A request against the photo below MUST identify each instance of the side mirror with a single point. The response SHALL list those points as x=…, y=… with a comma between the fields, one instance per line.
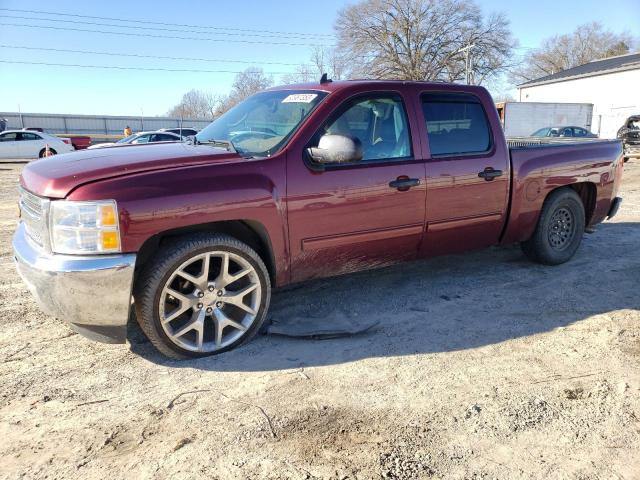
x=335, y=149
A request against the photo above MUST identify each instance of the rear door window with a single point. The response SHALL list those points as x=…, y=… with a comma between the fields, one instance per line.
x=456, y=124
x=29, y=136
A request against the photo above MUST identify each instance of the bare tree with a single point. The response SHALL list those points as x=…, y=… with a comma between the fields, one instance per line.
x=586, y=43
x=422, y=40
x=195, y=104
x=304, y=73
x=330, y=61
x=245, y=84
x=323, y=60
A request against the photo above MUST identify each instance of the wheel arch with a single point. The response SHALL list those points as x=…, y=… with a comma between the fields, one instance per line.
x=523, y=221
x=588, y=192
x=251, y=232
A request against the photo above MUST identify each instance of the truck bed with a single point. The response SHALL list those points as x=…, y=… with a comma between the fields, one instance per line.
x=592, y=166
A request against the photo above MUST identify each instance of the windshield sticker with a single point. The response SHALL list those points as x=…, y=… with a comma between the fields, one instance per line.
x=300, y=98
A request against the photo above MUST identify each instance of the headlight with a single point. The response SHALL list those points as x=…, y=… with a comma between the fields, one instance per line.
x=84, y=227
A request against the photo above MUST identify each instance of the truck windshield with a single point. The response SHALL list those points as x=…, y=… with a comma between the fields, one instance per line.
x=261, y=125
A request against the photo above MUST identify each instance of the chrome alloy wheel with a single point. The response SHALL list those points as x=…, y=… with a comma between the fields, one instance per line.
x=210, y=301
x=561, y=229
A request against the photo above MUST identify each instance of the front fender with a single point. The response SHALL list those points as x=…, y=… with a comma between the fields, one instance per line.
x=154, y=202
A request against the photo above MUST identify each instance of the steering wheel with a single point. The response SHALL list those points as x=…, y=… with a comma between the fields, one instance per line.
x=255, y=133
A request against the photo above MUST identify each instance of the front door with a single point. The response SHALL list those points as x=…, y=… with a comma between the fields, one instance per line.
x=9, y=145
x=467, y=173
x=366, y=214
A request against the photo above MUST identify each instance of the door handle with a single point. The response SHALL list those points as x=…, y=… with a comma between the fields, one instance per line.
x=404, y=183
x=489, y=174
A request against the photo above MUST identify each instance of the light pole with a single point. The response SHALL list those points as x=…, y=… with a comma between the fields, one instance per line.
x=468, y=63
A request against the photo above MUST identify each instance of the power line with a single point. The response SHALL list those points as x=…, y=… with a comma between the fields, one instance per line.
x=206, y=27
x=175, y=37
x=141, y=69
x=159, y=57
x=84, y=22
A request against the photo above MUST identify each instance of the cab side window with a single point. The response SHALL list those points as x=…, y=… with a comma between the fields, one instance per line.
x=8, y=137
x=379, y=122
x=29, y=136
x=456, y=124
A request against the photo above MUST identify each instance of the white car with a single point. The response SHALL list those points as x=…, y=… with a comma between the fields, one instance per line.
x=142, y=137
x=28, y=144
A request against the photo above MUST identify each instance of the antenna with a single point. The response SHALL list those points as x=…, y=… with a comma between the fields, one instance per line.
x=325, y=79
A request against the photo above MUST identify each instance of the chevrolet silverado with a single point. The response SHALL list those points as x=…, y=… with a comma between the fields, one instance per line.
x=294, y=183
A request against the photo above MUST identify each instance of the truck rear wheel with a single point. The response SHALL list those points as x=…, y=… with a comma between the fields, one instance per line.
x=559, y=231
x=202, y=295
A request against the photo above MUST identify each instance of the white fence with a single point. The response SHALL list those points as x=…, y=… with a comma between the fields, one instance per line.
x=94, y=124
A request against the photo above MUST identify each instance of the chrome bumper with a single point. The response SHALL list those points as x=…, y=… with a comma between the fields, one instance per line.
x=92, y=293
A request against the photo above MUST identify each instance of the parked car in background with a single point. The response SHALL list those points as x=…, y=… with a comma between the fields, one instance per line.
x=564, y=132
x=141, y=138
x=184, y=132
x=80, y=142
x=291, y=184
x=30, y=144
x=629, y=133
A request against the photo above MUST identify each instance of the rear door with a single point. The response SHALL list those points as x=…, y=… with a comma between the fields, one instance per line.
x=356, y=216
x=30, y=144
x=467, y=171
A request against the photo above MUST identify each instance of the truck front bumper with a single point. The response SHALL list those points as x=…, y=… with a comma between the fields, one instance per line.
x=92, y=293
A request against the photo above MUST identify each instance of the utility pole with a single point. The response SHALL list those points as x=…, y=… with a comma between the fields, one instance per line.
x=468, y=63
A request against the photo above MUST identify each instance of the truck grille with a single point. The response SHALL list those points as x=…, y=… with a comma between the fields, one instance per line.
x=33, y=213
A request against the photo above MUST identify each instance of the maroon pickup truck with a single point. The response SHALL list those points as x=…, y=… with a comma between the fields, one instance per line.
x=294, y=183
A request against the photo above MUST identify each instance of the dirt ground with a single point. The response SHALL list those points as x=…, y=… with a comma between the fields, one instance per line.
x=482, y=366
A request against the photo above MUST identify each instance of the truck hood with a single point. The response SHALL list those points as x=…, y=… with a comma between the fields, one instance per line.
x=56, y=176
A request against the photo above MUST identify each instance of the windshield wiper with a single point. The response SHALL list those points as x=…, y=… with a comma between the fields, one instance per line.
x=228, y=144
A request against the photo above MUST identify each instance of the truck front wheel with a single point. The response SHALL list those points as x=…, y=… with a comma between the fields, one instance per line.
x=202, y=295
x=559, y=230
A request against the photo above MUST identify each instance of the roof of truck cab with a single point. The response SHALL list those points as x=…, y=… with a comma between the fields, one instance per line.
x=333, y=86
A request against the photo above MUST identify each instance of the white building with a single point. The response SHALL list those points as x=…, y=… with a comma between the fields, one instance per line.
x=612, y=85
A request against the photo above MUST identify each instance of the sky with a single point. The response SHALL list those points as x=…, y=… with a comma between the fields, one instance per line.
x=224, y=33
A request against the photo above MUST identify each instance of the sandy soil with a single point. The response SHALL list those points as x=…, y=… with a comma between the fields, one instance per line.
x=482, y=366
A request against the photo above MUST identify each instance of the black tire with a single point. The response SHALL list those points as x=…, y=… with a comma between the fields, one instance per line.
x=43, y=151
x=156, y=272
x=559, y=231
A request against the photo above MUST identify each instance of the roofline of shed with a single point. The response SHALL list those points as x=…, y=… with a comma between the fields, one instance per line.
x=534, y=83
